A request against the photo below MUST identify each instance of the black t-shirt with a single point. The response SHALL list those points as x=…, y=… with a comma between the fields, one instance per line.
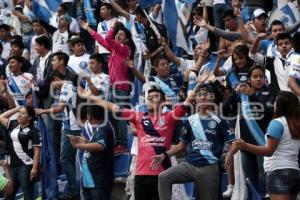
x=21, y=142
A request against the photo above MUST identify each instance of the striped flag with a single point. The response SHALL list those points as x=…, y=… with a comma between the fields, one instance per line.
x=44, y=9
x=174, y=23
x=48, y=176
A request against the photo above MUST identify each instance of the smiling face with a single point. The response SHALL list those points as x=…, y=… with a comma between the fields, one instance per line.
x=240, y=60
x=163, y=68
x=14, y=66
x=121, y=37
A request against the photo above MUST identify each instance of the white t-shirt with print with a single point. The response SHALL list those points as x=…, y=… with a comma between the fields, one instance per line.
x=60, y=42
x=80, y=64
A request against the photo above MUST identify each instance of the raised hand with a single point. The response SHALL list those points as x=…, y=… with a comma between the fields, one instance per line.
x=200, y=22
x=84, y=25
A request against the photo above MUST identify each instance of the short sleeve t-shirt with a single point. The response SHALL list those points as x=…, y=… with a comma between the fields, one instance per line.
x=206, y=145
x=294, y=62
x=80, y=64
x=21, y=143
x=154, y=136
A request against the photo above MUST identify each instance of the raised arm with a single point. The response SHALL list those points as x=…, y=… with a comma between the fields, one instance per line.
x=105, y=104
x=170, y=55
x=120, y=10
x=84, y=25
x=4, y=117
x=135, y=71
x=253, y=54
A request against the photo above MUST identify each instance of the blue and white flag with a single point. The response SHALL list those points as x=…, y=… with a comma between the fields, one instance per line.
x=148, y=3
x=174, y=24
x=44, y=9
x=89, y=12
x=48, y=176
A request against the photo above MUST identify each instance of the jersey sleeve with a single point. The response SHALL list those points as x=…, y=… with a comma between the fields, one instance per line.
x=225, y=130
x=275, y=129
x=36, y=138
x=66, y=92
x=100, y=138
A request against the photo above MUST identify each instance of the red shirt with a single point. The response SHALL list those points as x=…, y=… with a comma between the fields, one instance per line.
x=118, y=72
x=164, y=126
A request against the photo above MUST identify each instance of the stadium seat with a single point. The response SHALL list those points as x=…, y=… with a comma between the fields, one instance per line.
x=121, y=165
x=189, y=189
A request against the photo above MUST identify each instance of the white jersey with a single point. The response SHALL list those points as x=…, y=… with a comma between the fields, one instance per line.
x=60, y=42
x=19, y=86
x=68, y=95
x=136, y=36
x=80, y=64
x=294, y=64
x=102, y=83
x=102, y=28
x=6, y=50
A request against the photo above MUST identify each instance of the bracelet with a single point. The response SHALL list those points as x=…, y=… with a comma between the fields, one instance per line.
x=166, y=155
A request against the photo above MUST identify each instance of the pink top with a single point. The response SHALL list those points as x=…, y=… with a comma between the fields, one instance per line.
x=153, y=137
x=119, y=52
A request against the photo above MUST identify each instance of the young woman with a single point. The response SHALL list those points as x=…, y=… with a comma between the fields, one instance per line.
x=241, y=64
x=119, y=42
x=24, y=149
x=260, y=99
x=281, y=149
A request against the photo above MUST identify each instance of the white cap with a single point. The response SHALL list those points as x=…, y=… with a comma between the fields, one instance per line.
x=258, y=12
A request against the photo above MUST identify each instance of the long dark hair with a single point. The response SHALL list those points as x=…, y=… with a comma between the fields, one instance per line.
x=120, y=27
x=287, y=105
x=241, y=50
x=31, y=113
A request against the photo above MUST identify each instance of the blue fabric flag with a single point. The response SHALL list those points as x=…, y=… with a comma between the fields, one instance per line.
x=44, y=9
x=48, y=176
x=174, y=26
x=148, y=3
x=89, y=12
x=255, y=130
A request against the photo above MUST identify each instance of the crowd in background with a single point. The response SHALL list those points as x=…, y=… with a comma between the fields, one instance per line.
x=93, y=85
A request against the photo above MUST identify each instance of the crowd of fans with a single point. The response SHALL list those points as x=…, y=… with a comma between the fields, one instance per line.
x=94, y=85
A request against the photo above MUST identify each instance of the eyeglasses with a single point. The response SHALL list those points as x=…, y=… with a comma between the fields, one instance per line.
x=205, y=94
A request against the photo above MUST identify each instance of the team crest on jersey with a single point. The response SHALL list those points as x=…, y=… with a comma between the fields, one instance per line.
x=23, y=82
x=173, y=83
x=243, y=78
x=161, y=122
x=146, y=122
x=26, y=130
x=212, y=124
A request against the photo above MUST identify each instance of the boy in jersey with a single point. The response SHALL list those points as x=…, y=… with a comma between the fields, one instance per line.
x=97, y=146
x=18, y=83
x=154, y=132
x=206, y=134
x=70, y=126
x=99, y=82
x=294, y=63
